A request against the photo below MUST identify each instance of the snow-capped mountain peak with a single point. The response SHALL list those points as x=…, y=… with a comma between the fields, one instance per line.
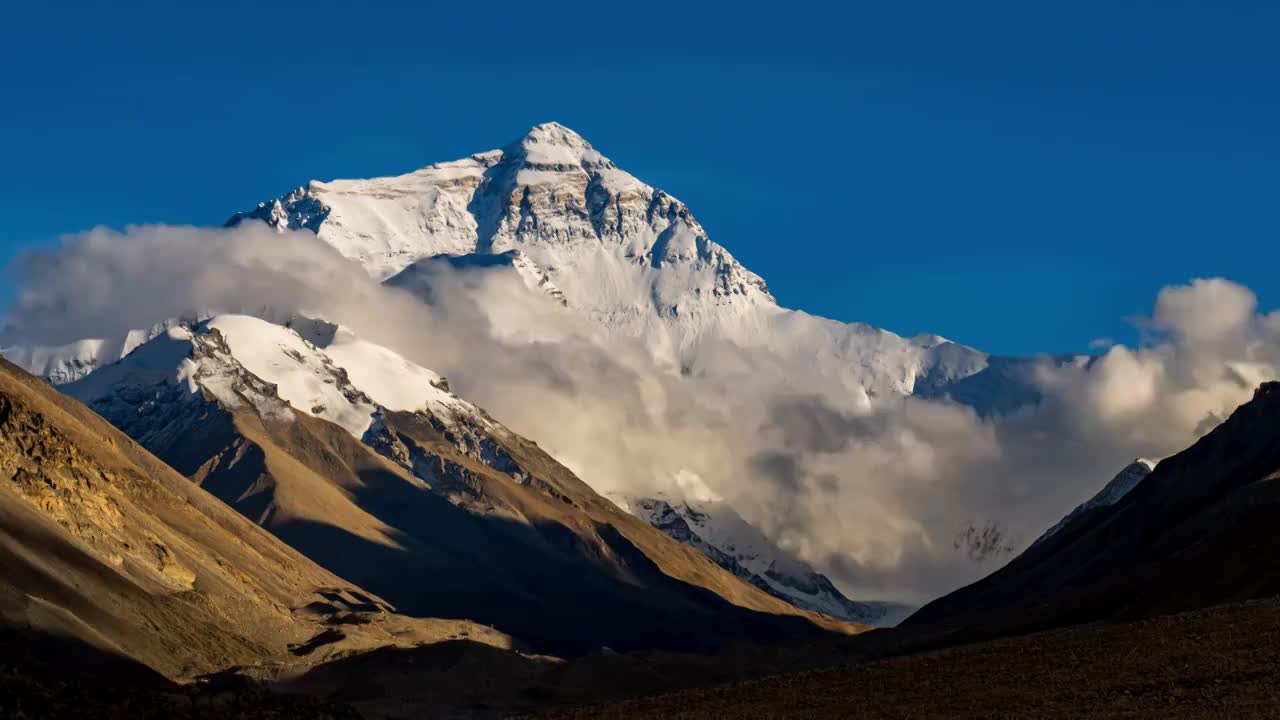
x=615, y=251
x=550, y=187
x=619, y=252
x=552, y=145
x=63, y=363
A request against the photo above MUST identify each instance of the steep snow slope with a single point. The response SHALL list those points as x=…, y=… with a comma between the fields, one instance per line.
x=718, y=531
x=618, y=251
x=344, y=383
x=369, y=466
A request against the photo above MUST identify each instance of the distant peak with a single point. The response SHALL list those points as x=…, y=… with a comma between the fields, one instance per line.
x=554, y=133
x=554, y=147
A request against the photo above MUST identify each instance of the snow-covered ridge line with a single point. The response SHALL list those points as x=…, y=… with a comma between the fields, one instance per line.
x=242, y=360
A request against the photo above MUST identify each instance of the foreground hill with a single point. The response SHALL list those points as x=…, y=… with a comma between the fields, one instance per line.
x=50, y=677
x=1198, y=530
x=119, y=576
x=105, y=546
x=1215, y=663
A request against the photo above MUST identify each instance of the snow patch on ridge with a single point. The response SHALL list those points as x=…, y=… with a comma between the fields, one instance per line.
x=68, y=363
x=395, y=383
x=304, y=377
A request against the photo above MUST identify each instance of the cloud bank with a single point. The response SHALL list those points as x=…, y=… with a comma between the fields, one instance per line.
x=901, y=498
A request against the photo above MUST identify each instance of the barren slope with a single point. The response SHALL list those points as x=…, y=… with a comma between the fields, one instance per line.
x=1217, y=663
x=101, y=542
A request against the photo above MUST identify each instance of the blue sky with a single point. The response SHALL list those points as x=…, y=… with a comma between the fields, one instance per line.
x=1017, y=178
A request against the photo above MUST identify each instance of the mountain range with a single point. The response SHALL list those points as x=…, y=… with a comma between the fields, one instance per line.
x=578, y=231
x=367, y=464
x=226, y=497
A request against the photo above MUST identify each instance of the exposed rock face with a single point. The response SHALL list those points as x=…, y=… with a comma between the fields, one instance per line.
x=1199, y=529
x=50, y=472
x=102, y=543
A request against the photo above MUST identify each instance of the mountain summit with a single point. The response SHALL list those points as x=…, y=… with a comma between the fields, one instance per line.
x=619, y=252
x=551, y=143
x=551, y=195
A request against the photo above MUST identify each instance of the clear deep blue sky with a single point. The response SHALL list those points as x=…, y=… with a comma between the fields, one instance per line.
x=1017, y=176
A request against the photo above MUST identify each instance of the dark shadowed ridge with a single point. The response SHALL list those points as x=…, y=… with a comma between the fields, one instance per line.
x=1199, y=530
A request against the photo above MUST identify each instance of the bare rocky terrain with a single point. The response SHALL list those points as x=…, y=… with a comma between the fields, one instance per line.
x=44, y=676
x=103, y=545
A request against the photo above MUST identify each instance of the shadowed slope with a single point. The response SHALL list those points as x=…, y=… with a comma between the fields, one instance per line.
x=1215, y=664
x=445, y=535
x=101, y=542
x=1199, y=530
x=46, y=676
